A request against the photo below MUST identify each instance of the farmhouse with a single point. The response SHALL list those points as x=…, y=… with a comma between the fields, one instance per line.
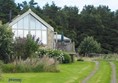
x=31, y=23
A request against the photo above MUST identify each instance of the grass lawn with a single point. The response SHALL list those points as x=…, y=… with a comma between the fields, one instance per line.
x=70, y=73
x=103, y=75
x=116, y=63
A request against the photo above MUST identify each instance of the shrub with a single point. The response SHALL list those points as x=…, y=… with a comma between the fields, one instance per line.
x=31, y=45
x=61, y=56
x=27, y=46
x=41, y=52
x=6, y=39
x=8, y=68
x=67, y=58
x=89, y=45
x=19, y=47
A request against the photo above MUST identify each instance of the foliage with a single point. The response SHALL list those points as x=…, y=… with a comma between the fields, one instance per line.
x=19, y=44
x=6, y=40
x=8, y=68
x=27, y=46
x=44, y=64
x=31, y=45
x=99, y=22
x=5, y=7
x=61, y=56
x=67, y=58
x=89, y=45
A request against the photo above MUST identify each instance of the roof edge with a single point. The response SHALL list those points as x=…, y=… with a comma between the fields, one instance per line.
x=33, y=14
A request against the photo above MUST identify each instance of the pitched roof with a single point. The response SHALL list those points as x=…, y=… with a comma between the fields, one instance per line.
x=19, y=17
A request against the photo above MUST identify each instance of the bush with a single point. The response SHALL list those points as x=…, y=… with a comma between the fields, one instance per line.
x=27, y=46
x=6, y=40
x=67, y=58
x=8, y=68
x=89, y=45
x=41, y=52
x=61, y=56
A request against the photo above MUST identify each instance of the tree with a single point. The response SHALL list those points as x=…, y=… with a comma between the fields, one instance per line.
x=6, y=43
x=5, y=7
x=24, y=6
x=89, y=45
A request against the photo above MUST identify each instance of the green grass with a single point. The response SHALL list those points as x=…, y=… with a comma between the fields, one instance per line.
x=116, y=63
x=70, y=73
x=103, y=75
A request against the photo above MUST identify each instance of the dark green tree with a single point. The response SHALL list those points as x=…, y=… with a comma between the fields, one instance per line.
x=7, y=6
x=89, y=45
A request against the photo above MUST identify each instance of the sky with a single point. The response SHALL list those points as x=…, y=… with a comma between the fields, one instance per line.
x=113, y=4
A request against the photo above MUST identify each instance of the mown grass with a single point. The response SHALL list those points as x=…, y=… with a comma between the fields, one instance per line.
x=69, y=73
x=116, y=64
x=103, y=75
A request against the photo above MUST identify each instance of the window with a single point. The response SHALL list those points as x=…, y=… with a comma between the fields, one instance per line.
x=26, y=22
x=15, y=32
x=33, y=32
x=38, y=34
x=44, y=27
x=20, y=33
x=44, y=37
x=32, y=22
x=25, y=33
x=20, y=24
x=14, y=26
x=29, y=24
x=38, y=25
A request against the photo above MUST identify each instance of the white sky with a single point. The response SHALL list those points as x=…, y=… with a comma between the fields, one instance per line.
x=113, y=4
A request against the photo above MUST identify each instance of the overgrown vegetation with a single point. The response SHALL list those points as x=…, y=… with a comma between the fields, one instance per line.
x=36, y=65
